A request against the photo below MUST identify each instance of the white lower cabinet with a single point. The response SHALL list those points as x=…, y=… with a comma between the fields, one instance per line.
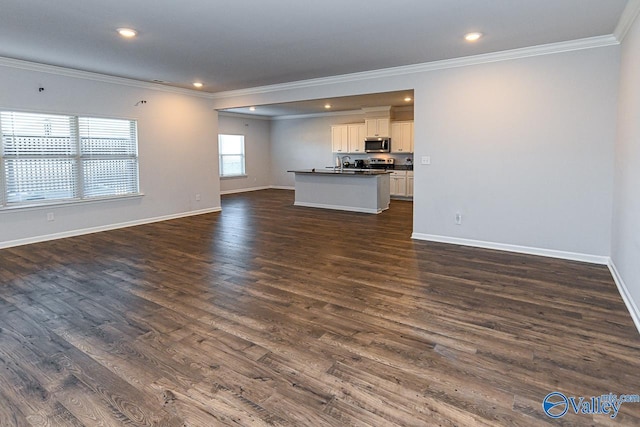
x=401, y=183
x=398, y=183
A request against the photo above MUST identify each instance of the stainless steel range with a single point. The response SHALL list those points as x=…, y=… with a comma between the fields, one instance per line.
x=379, y=163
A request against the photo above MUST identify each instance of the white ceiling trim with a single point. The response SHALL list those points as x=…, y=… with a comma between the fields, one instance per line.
x=323, y=114
x=547, y=49
x=628, y=17
x=87, y=75
x=243, y=115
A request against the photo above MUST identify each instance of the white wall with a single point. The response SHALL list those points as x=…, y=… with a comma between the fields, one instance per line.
x=303, y=143
x=625, y=248
x=257, y=142
x=177, y=136
x=523, y=148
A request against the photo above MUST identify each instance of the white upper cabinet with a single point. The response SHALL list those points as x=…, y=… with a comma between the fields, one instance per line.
x=402, y=137
x=340, y=139
x=377, y=127
x=356, y=137
x=348, y=138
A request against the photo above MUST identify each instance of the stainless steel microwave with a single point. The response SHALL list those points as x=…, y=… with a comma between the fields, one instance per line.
x=377, y=145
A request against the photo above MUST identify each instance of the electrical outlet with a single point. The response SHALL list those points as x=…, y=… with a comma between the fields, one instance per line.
x=51, y=216
x=198, y=197
x=425, y=160
x=458, y=218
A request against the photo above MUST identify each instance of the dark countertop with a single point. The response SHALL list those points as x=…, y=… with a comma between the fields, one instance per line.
x=396, y=167
x=344, y=172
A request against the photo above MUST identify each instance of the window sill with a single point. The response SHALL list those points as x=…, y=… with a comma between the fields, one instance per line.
x=234, y=176
x=54, y=204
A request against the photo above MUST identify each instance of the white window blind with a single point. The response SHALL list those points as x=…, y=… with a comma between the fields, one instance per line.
x=109, y=156
x=46, y=157
x=231, y=152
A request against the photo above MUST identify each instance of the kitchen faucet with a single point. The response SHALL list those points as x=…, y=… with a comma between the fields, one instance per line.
x=342, y=162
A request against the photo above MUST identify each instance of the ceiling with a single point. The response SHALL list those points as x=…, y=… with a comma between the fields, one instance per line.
x=398, y=99
x=231, y=45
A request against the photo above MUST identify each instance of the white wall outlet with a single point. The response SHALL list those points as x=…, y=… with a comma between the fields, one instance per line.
x=51, y=216
x=458, y=218
x=198, y=197
x=425, y=160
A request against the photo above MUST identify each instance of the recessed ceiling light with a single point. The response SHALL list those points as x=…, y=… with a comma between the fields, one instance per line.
x=252, y=108
x=327, y=106
x=198, y=84
x=471, y=37
x=127, y=32
x=407, y=99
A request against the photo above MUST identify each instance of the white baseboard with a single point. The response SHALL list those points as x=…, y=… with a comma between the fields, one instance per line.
x=593, y=259
x=573, y=256
x=338, y=207
x=79, y=232
x=266, y=187
x=282, y=187
x=625, y=294
x=244, y=190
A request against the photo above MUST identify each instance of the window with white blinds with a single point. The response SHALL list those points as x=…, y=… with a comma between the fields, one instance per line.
x=231, y=152
x=47, y=158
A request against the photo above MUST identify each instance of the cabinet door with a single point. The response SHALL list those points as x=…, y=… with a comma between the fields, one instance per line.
x=377, y=127
x=356, y=138
x=371, y=127
x=339, y=139
x=383, y=127
x=401, y=137
x=410, y=183
x=398, y=184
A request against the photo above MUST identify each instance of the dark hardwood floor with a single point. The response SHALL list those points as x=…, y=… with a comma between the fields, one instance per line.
x=270, y=314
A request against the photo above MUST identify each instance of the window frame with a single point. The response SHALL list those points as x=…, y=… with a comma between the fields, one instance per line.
x=221, y=156
x=78, y=158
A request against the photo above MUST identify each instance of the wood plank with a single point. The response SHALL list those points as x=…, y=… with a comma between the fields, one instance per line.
x=270, y=314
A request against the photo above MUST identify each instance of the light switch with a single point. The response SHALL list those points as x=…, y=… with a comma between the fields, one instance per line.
x=426, y=160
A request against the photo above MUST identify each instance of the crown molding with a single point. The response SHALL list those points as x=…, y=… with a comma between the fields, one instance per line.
x=323, y=114
x=628, y=17
x=103, y=78
x=243, y=115
x=525, y=52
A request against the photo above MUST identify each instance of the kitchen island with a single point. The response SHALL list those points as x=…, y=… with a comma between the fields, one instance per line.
x=364, y=191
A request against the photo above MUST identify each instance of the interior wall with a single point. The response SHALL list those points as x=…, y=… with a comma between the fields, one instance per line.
x=257, y=140
x=177, y=136
x=625, y=248
x=523, y=148
x=303, y=143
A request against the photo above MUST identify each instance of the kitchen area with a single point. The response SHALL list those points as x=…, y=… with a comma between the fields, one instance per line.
x=350, y=153
x=373, y=162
